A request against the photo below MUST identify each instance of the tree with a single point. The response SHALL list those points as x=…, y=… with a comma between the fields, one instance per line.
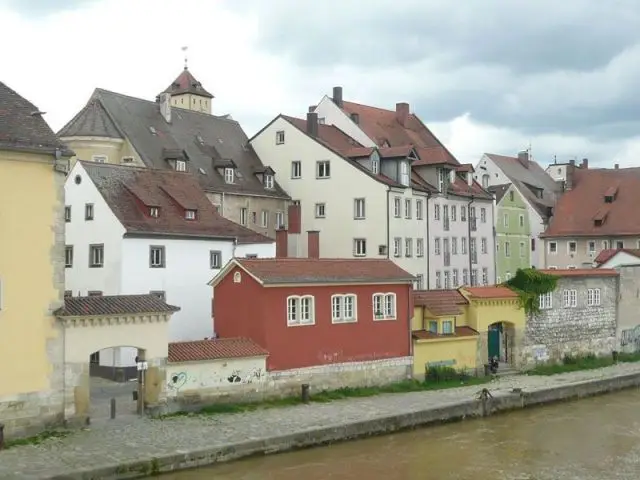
x=529, y=284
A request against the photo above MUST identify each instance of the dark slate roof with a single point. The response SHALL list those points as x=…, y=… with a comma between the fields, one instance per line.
x=130, y=192
x=499, y=190
x=113, y=305
x=92, y=121
x=22, y=126
x=187, y=83
x=202, y=138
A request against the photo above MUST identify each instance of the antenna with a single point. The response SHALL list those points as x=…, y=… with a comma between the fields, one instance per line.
x=186, y=57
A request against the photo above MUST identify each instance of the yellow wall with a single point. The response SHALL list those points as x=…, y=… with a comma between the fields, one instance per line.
x=482, y=313
x=31, y=209
x=462, y=350
x=422, y=317
x=114, y=148
x=189, y=101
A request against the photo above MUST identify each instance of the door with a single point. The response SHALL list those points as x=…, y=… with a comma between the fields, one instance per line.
x=493, y=340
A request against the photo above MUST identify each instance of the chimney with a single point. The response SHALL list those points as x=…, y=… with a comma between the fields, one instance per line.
x=165, y=106
x=523, y=158
x=282, y=243
x=585, y=163
x=355, y=117
x=337, y=96
x=616, y=166
x=568, y=183
x=295, y=219
x=312, y=108
x=313, y=244
x=312, y=124
x=402, y=113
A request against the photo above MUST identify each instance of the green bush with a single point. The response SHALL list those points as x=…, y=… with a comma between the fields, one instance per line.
x=443, y=374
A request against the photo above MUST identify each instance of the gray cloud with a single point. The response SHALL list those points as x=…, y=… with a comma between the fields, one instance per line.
x=539, y=66
x=41, y=8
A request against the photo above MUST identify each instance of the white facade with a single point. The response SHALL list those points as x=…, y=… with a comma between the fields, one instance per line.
x=127, y=270
x=329, y=113
x=495, y=176
x=621, y=259
x=329, y=204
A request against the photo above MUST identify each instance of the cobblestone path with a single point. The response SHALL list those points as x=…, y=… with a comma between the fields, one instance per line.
x=124, y=440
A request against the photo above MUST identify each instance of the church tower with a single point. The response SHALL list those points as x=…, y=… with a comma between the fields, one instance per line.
x=188, y=93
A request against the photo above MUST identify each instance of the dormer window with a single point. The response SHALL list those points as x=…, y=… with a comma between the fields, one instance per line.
x=154, y=212
x=404, y=173
x=442, y=179
x=190, y=214
x=181, y=166
x=229, y=175
x=375, y=166
x=268, y=181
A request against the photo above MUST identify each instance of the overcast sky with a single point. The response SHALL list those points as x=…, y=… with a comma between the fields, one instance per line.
x=485, y=75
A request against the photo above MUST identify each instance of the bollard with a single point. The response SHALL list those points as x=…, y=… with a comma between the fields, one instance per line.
x=614, y=354
x=1, y=436
x=113, y=409
x=487, y=370
x=305, y=393
x=135, y=395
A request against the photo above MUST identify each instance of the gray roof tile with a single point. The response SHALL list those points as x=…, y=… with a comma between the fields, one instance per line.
x=113, y=305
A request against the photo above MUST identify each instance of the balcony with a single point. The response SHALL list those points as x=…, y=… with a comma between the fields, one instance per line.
x=447, y=259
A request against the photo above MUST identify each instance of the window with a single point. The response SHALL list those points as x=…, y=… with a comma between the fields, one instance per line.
x=454, y=246
x=419, y=247
x=474, y=277
x=268, y=181
x=605, y=244
x=67, y=294
x=533, y=244
x=619, y=245
x=454, y=213
x=408, y=247
x=553, y=247
x=88, y=211
x=465, y=277
x=181, y=166
x=279, y=219
x=96, y=256
x=404, y=173
x=570, y=298
x=190, y=214
x=154, y=212
x=264, y=218
x=384, y=306
x=374, y=166
x=358, y=209
x=300, y=310
x=229, y=175
x=505, y=220
x=485, y=181
x=485, y=276
x=320, y=210
x=126, y=160
x=463, y=245
x=397, y=247
x=447, y=327
x=68, y=256
x=215, y=259
x=511, y=196
x=438, y=279
x=454, y=278
x=343, y=308
x=436, y=246
x=296, y=169
x=572, y=247
x=483, y=215
x=419, y=212
x=323, y=169
x=243, y=216
x=436, y=212
x=483, y=245
x=359, y=247
x=100, y=158
x=254, y=218
x=522, y=247
x=447, y=280
x=442, y=179
x=521, y=220
x=546, y=301
x=463, y=214
x=279, y=137
x=94, y=293
x=507, y=249
x=407, y=208
x=156, y=257
x=591, y=247
x=161, y=294
x=593, y=297
x=433, y=326
x=419, y=282
x=396, y=207
x=67, y=214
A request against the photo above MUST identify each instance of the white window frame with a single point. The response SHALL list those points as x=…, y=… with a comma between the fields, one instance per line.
x=575, y=246
x=507, y=249
x=404, y=173
x=386, y=302
x=463, y=245
x=280, y=137
x=419, y=281
x=264, y=218
x=436, y=211
x=279, y=219
x=521, y=220
x=593, y=297
x=157, y=255
x=397, y=247
x=505, y=220
x=68, y=256
x=447, y=280
x=465, y=276
x=408, y=247
x=483, y=215
x=181, y=166
x=295, y=307
x=407, y=208
x=455, y=278
x=359, y=210
x=243, y=216
x=485, y=276
x=190, y=214
x=554, y=250
x=454, y=213
x=483, y=245
x=215, y=259
x=296, y=169
x=269, y=181
x=451, y=327
x=397, y=207
x=321, y=210
x=419, y=247
x=375, y=166
x=590, y=250
x=96, y=260
x=359, y=247
x=323, y=169
x=419, y=210
x=545, y=301
x=570, y=298
x=438, y=280
x=100, y=158
x=229, y=175
x=339, y=308
x=436, y=246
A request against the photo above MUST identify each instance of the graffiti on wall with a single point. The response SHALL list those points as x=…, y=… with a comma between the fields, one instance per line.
x=216, y=377
x=238, y=377
x=540, y=353
x=631, y=338
x=177, y=381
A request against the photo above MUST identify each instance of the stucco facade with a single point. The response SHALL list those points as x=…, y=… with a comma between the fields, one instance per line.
x=512, y=235
x=578, y=252
x=628, y=322
x=31, y=288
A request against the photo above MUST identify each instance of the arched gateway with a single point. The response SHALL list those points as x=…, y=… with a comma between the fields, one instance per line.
x=91, y=324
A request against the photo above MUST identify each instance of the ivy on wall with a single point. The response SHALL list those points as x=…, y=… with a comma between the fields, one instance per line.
x=529, y=284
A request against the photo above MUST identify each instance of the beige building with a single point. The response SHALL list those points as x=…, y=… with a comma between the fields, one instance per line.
x=178, y=131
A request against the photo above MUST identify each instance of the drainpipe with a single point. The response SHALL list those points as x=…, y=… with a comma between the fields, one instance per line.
x=427, y=251
x=388, y=224
x=493, y=233
x=410, y=312
x=469, y=238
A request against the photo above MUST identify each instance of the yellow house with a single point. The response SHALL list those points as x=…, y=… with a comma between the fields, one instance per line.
x=33, y=163
x=463, y=328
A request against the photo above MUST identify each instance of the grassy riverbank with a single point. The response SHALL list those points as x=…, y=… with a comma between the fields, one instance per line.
x=36, y=439
x=586, y=362
x=437, y=379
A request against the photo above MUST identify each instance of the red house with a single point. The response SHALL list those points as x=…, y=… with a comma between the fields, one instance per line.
x=310, y=311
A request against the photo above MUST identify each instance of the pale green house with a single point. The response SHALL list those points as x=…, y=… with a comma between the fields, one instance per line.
x=512, y=232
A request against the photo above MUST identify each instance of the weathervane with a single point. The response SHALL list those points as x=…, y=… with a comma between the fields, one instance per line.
x=186, y=58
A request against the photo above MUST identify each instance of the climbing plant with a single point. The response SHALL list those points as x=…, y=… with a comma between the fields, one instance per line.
x=529, y=284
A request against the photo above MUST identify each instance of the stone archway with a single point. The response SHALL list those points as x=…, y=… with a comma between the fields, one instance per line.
x=502, y=342
x=95, y=323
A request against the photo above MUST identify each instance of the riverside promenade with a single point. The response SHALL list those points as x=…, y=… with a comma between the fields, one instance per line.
x=134, y=449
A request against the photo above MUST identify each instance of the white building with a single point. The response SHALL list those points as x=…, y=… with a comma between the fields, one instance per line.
x=133, y=230
x=415, y=194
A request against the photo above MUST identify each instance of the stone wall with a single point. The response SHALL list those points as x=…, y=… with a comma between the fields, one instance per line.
x=628, y=332
x=265, y=385
x=559, y=331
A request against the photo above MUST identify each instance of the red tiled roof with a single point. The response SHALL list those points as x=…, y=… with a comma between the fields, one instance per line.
x=440, y=302
x=399, y=151
x=186, y=83
x=202, y=350
x=460, y=332
x=113, y=305
x=359, y=152
x=582, y=272
x=608, y=254
x=323, y=270
x=130, y=192
x=582, y=211
x=491, y=291
x=465, y=167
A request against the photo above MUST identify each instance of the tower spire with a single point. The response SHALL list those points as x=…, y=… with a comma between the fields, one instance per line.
x=186, y=57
